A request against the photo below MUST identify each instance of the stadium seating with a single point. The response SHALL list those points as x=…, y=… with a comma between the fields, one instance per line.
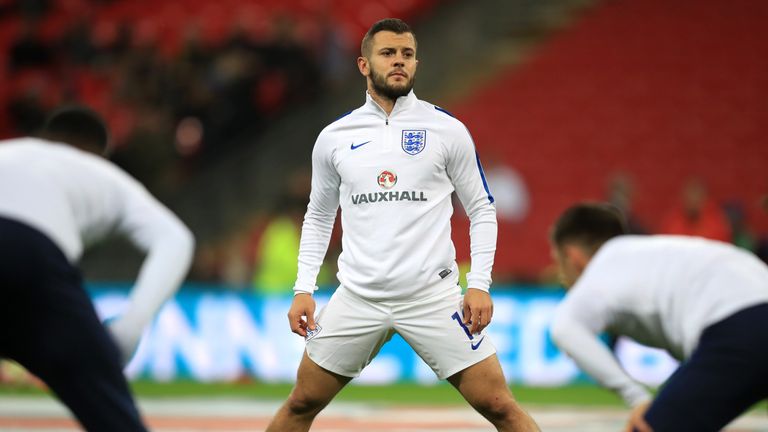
x=163, y=24
x=660, y=90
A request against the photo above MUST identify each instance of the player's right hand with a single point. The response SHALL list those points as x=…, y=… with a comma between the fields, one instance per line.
x=637, y=421
x=126, y=336
x=303, y=306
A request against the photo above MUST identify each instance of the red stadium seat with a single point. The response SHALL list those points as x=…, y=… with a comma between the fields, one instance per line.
x=660, y=90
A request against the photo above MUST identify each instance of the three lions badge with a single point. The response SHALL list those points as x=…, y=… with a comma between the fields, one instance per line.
x=414, y=141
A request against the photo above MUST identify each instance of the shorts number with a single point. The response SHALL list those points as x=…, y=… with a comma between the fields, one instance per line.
x=461, y=323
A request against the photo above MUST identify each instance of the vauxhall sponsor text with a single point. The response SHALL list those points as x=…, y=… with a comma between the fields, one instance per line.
x=373, y=197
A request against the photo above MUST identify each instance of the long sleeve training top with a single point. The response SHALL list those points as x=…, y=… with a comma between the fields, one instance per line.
x=393, y=177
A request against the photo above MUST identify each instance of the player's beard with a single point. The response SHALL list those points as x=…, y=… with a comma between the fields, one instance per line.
x=391, y=92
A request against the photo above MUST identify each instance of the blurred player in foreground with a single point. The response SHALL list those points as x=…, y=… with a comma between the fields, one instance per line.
x=57, y=196
x=703, y=301
x=392, y=165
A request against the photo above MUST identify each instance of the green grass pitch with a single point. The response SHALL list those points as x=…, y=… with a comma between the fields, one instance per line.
x=406, y=393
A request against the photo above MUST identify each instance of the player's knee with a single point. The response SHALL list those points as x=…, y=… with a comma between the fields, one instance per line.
x=497, y=408
x=301, y=404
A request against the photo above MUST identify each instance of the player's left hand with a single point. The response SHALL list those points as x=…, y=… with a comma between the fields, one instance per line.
x=637, y=421
x=478, y=310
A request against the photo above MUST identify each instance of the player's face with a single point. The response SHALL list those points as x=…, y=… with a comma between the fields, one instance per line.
x=391, y=67
x=568, y=268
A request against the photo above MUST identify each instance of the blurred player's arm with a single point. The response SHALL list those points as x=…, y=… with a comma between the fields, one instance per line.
x=169, y=247
x=464, y=169
x=315, y=234
x=575, y=331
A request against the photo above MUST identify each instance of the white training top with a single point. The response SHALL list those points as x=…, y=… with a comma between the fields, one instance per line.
x=77, y=198
x=661, y=291
x=393, y=177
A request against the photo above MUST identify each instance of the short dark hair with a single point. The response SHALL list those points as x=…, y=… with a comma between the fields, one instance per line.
x=588, y=225
x=78, y=126
x=394, y=25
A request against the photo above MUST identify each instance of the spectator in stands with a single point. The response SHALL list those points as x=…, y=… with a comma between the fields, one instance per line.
x=233, y=76
x=34, y=9
x=620, y=194
x=278, y=249
x=286, y=54
x=57, y=197
x=194, y=53
x=697, y=215
x=332, y=48
x=28, y=50
x=149, y=153
x=26, y=110
x=509, y=189
x=741, y=234
x=224, y=261
x=277, y=253
x=112, y=42
x=76, y=44
x=228, y=87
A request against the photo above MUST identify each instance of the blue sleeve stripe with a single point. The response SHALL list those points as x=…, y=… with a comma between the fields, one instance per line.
x=444, y=111
x=482, y=175
x=342, y=116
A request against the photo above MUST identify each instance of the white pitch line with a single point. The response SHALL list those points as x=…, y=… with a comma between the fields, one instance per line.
x=345, y=416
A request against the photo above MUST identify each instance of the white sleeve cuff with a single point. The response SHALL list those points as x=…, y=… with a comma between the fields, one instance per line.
x=481, y=283
x=304, y=289
x=483, y=289
x=634, y=395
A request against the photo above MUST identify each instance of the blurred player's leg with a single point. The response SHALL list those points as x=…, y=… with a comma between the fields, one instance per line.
x=50, y=327
x=89, y=382
x=484, y=387
x=315, y=388
x=727, y=374
x=81, y=364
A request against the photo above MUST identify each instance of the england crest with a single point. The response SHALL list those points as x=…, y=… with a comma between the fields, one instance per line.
x=414, y=141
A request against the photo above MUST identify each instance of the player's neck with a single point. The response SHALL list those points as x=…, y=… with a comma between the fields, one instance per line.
x=385, y=103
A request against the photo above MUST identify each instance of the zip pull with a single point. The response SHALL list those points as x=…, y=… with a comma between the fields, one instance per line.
x=386, y=121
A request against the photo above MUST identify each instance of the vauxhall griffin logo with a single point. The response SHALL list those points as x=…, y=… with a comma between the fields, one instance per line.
x=387, y=179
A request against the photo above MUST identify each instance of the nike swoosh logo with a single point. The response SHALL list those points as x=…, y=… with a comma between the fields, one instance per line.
x=477, y=345
x=353, y=146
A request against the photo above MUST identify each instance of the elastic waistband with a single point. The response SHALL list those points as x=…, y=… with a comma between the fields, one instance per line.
x=438, y=289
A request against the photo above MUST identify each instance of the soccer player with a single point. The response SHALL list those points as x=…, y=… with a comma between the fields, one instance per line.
x=57, y=196
x=392, y=165
x=703, y=301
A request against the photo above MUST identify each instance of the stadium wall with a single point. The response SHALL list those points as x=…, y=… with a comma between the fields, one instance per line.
x=209, y=334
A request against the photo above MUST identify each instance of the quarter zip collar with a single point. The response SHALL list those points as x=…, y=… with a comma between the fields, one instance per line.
x=402, y=103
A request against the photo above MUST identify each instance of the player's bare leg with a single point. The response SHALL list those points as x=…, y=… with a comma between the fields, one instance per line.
x=315, y=388
x=484, y=387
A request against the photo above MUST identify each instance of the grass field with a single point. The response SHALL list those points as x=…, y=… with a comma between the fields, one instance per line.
x=441, y=394
x=411, y=394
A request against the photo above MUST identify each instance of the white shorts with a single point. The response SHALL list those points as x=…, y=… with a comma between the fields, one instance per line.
x=352, y=330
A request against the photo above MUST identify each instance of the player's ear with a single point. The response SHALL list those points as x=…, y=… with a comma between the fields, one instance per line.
x=363, y=66
x=577, y=256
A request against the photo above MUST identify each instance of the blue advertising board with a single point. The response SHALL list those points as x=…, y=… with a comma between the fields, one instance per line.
x=218, y=335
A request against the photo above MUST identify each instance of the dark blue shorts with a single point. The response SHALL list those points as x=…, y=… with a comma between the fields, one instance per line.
x=49, y=325
x=725, y=376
